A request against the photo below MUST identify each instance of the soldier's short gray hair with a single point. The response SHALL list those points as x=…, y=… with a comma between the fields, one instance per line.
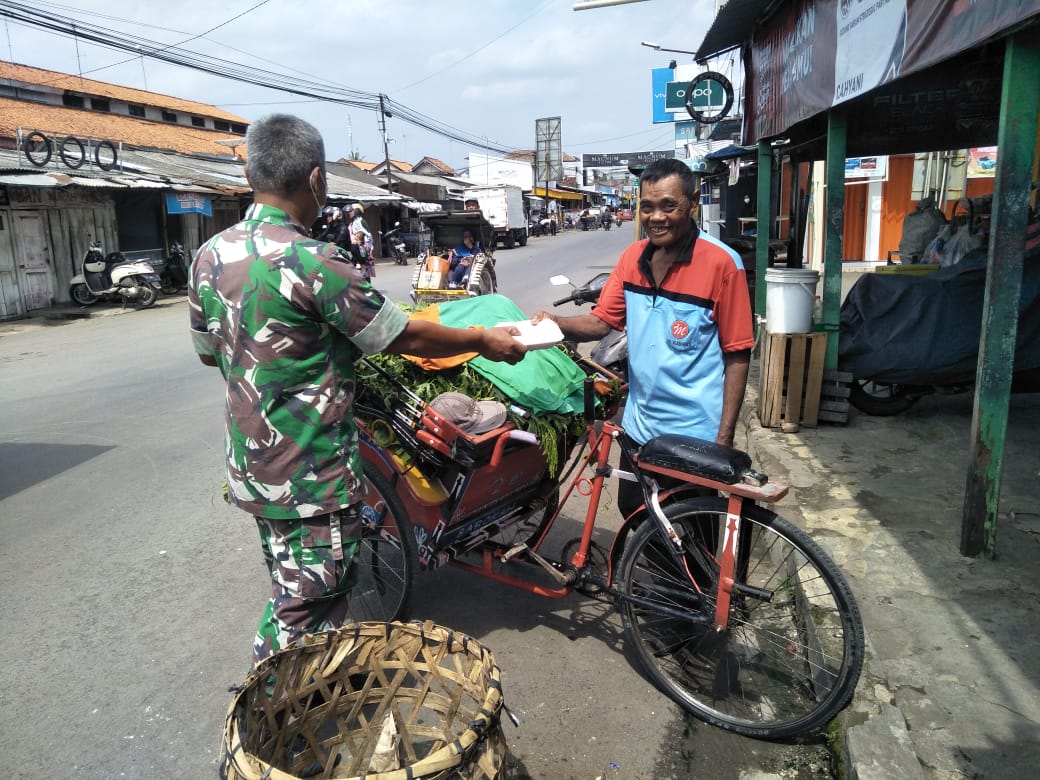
x=282, y=150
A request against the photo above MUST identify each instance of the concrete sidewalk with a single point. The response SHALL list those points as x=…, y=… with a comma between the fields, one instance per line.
x=65, y=313
x=951, y=683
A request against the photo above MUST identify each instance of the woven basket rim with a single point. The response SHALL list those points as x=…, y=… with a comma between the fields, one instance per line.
x=450, y=755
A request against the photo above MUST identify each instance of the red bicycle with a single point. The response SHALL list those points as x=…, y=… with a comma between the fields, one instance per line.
x=734, y=613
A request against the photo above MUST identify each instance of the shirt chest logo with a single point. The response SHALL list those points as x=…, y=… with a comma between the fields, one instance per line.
x=680, y=329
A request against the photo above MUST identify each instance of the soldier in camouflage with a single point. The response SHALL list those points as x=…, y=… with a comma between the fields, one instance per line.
x=283, y=317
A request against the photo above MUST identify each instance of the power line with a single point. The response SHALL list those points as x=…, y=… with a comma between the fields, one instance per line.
x=173, y=54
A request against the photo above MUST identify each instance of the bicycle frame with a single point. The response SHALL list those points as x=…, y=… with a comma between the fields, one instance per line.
x=599, y=446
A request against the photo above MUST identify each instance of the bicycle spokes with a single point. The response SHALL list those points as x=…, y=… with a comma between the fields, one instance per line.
x=790, y=650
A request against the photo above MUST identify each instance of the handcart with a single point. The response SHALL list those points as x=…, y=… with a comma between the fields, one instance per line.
x=430, y=282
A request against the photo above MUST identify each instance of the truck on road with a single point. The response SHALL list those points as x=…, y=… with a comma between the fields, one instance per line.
x=502, y=206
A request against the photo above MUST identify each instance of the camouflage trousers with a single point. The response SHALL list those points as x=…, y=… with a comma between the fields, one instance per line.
x=311, y=565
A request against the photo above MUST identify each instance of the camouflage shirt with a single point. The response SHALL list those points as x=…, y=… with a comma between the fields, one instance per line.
x=285, y=317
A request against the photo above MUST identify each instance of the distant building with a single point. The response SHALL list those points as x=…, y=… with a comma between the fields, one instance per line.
x=82, y=159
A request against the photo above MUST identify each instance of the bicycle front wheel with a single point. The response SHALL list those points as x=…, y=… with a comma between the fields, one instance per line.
x=387, y=557
x=791, y=655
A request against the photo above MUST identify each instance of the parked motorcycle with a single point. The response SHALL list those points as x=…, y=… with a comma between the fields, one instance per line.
x=903, y=337
x=174, y=276
x=611, y=352
x=112, y=277
x=396, y=244
x=539, y=227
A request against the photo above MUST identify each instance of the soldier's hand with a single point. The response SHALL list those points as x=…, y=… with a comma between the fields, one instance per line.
x=500, y=344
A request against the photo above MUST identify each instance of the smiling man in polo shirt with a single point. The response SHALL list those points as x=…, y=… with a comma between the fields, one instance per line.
x=683, y=297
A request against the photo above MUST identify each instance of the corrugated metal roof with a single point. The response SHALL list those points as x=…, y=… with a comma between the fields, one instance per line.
x=29, y=180
x=65, y=81
x=733, y=25
x=90, y=181
x=169, y=170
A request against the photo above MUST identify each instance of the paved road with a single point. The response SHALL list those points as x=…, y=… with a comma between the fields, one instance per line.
x=132, y=591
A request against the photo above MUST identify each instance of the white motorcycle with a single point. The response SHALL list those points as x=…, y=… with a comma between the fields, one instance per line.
x=114, y=278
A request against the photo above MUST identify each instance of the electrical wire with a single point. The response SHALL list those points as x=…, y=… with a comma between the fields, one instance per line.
x=216, y=66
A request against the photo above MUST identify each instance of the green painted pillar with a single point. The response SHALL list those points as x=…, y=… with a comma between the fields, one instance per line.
x=764, y=214
x=1017, y=142
x=833, y=231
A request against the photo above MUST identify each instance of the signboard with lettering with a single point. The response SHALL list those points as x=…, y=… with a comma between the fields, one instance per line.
x=619, y=160
x=873, y=168
x=709, y=97
x=666, y=82
x=188, y=203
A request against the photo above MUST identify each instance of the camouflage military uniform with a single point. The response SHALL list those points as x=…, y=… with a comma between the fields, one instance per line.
x=285, y=316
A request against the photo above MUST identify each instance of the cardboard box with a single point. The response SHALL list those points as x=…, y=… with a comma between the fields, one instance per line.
x=437, y=264
x=432, y=280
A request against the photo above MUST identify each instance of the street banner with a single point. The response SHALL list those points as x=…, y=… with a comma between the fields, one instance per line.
x=188, y=203
x=814, y=54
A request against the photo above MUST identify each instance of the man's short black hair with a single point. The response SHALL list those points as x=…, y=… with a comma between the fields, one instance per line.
x=669, y=166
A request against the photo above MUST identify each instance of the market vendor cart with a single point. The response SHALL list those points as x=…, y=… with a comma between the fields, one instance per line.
x=430, y=282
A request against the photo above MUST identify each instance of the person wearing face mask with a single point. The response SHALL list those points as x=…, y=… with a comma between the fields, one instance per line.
x=682, y=297
x=283, y=317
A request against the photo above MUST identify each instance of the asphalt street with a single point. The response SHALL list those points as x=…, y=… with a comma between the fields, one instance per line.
x=134, y=590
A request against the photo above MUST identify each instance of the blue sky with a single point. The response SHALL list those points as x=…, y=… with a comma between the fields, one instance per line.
x=488, y=67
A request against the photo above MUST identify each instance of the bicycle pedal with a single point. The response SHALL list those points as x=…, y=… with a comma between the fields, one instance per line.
x=513, y=552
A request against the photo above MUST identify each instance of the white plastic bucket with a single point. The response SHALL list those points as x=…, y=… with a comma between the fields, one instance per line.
x=790, y=293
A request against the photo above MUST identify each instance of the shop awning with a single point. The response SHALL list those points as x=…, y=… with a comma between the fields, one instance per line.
x=558, y=194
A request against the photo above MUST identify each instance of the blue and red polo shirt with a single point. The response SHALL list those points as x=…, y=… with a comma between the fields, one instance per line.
x=677, y=334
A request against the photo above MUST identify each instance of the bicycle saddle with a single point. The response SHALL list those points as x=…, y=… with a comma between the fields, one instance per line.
x=699, y=457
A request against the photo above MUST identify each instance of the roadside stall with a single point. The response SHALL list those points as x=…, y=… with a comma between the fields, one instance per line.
x=952, y=76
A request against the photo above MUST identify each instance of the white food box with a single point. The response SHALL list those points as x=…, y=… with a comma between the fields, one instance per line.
x=536, y=336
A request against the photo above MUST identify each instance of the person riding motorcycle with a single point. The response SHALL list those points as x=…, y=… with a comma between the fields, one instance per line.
x=336, y=230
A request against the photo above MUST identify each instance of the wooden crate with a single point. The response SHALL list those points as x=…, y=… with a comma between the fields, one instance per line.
x=790, y=378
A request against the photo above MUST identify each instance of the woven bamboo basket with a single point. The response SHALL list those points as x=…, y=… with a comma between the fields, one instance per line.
x=319, y=707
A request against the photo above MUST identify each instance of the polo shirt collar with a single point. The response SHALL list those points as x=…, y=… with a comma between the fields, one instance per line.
x=684, y=256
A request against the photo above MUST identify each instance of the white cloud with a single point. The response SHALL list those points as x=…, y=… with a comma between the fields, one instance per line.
x=488, y=67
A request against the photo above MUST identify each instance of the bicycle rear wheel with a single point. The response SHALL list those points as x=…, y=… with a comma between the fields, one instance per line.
x=387, y=558
x=788, y=662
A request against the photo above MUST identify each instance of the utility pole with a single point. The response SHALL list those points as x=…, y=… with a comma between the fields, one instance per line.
x=545, y=208
x=383, y=113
